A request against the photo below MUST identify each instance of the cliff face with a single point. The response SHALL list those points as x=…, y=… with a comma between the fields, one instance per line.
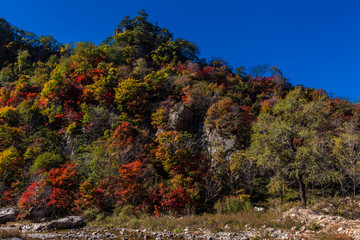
x=181, y=118
x=218, y=145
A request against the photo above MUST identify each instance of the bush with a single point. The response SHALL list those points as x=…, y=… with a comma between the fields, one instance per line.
x=127, y=210
x=10, y=233
x=100, y=217
x=9, y=115
x=91, y=214
x=46, y=161
x=233, y=204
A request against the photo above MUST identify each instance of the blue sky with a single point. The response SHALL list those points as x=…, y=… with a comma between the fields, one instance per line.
x=315, y=43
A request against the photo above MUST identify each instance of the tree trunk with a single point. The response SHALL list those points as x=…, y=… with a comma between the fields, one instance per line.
x=302, y=191
x=354, y=185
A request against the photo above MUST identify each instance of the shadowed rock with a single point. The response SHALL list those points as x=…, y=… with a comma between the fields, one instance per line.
x=8, y=214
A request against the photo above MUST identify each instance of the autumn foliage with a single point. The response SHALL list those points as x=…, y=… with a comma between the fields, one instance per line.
x=140, y=120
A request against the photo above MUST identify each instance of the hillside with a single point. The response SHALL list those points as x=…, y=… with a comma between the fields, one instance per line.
x=141, y=122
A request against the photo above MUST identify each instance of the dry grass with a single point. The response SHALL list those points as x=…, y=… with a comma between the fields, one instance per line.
x=10, y=233
x=230, y=222
x=214, y=222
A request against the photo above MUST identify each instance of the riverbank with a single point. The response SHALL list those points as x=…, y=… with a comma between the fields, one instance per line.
x=92, y=233
x=296, y=223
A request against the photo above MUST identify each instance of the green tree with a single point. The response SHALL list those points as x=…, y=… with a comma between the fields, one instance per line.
x=346, y=150
x=174, y=51
x=23, y=60
x=286, y=139
x=10, y=168
x=6, y=37
x=46, y=161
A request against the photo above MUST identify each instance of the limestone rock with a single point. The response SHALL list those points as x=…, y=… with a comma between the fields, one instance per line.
x=8, y=214
x=217, y=143
x=66, y=223
x=180, y=118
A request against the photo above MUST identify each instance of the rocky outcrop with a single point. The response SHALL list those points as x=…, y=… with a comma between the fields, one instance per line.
x=33, y=227
x=180, y=118
x=349, y=207
x=303, y=215
x=67, y=223
x=8, y=214
x=218, y=145
x=63, y=223
x=324, y=223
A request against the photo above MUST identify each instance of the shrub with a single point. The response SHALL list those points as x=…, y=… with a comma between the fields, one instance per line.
x=46, y=161
x=11, y=233
x=91, y=214
x=127, y=210
x=32, y=196
x=64, y=184
x=232, y=204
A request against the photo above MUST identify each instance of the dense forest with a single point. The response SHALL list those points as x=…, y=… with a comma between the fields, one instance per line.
x=142, y=122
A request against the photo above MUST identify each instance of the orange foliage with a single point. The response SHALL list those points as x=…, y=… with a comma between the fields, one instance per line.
x=64, y=183
x=124, y=135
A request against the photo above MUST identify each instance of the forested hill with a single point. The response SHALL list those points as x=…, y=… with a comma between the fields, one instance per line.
x=141, y=121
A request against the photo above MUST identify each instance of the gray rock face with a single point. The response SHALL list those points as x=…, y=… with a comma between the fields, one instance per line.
x=66, y=223
x=33, y=227
x=180, y=118
x=8, y=214
x=216, y=143
x=63, y=223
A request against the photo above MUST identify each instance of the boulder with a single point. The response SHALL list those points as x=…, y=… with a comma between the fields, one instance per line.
x=259, y=209
x=33, y=227
x=8, y=214
x=66, y=223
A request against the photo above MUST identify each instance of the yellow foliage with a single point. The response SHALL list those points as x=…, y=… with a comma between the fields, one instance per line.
x=7, y=157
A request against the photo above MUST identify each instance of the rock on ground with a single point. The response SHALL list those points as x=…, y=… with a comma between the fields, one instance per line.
x=326, y=223
x=63, y=223
x=66, y=223
x=8, y=214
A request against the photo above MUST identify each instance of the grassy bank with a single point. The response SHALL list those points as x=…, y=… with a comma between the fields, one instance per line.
x=213, y=222
x=232, y=222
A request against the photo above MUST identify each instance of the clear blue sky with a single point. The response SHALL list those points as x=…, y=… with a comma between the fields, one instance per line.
x=314, y=42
